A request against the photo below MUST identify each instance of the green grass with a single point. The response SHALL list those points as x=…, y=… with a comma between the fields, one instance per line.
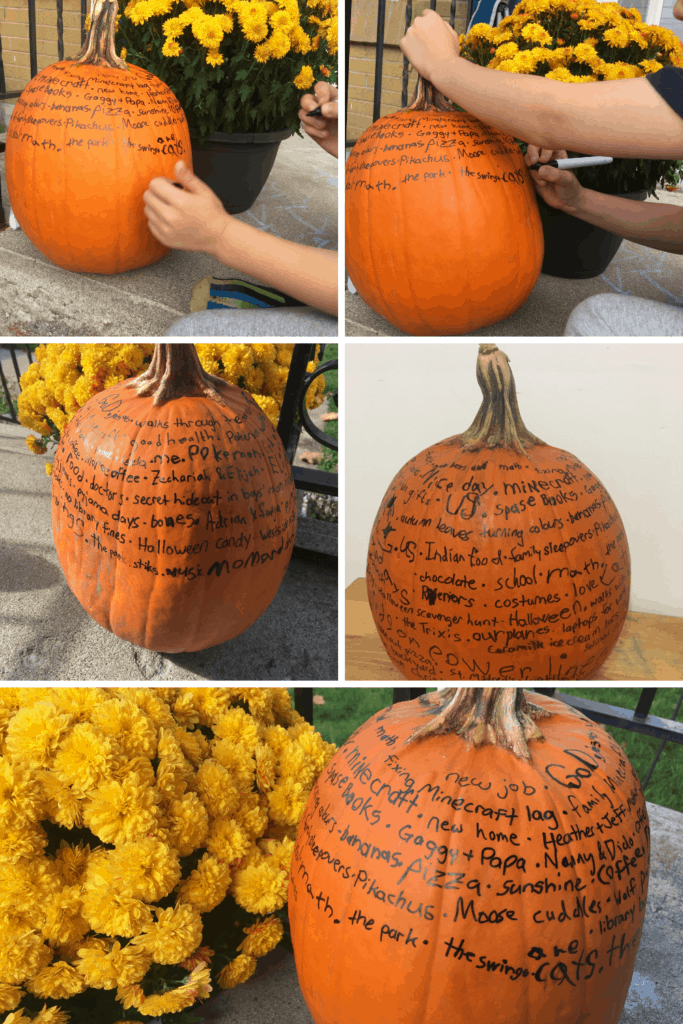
x=346, y=708
x=330, y=461
x=4, y=407
x=666, y=785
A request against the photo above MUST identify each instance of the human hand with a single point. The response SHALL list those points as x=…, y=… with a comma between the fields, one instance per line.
x=428, y=42
x=191, y=217
x=323, y=129
x=560, y=189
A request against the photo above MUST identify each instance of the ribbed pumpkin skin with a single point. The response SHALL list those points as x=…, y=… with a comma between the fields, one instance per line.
x=391, y=883
x=165, y=585
x=83, y=144
x=448, y=254
x=476, y=571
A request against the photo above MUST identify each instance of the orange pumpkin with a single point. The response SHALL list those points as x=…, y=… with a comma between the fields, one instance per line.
x=443, y=233
x=86, y=137
x=173, y=506
x=471, y=856
x=495, y=556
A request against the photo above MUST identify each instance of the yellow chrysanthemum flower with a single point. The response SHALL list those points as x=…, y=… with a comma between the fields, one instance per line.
x=35, y=732
x=619, y=70
x=260, y=888
x=107, y=965
x=175, y=934
x=206, y=886
x=262, y=937
x=237, y=971
x=10, y=996
x=58, y=981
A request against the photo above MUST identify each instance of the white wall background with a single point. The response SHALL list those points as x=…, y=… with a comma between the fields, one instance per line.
x=617, y=407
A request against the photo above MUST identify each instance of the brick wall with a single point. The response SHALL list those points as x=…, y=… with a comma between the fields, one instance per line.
x=362, y=57
x=15, y=40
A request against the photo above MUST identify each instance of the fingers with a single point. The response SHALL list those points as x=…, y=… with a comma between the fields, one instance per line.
x=325, y=92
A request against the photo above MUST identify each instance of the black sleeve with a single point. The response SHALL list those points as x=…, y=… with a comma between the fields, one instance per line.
x=668, y=82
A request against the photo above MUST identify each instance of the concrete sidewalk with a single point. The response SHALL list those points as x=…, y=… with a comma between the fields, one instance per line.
x=38, y=299
x=635, y=270
x=655, y=996
x=46, y=635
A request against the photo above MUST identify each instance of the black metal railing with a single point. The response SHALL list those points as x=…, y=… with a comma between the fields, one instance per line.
x=294, y=416
x=8, y=398
x=639, y=720
x=379, y=54
x=32, y=43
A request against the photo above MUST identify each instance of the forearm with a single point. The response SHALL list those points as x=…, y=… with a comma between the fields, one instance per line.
x=305, y=273
x=619, y=118
x=657, y=225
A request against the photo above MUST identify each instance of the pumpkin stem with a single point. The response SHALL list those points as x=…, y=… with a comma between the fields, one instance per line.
x=428, y=98
x=99, y=48
x=498, y=424
x=499, y=715
x=175, y=372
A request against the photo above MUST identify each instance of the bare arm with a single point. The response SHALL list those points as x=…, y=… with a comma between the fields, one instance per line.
x=658, y=225
x=626, y=118
x=305, y=273
x=193, y=218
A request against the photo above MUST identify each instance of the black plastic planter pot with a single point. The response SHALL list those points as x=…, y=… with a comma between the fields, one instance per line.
x=574, y=248
x=236, y=166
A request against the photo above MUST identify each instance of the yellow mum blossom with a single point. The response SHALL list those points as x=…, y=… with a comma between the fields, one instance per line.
x=71, y=862
x=35, y=445
x=145, y=869
x=563, y=75
x=115, y=915
x=536, y=34
x=35, y=732
x=169, y=1002
x=53, y=1015
x=280, y=44
x=227, y=840
x=10, y=996
x=58, y=981
x=587, y=54
x=262, y=937
x=175, y=934
x=286, y=801
x=206, y=886
x=187, y=823
x=173, y=27
x=171, y=48
x=506, y=51
x=217, y=788
x=64, y=924
x=282, y=19
x=85, y=758
x=21, y=957
x=107, y=965
x=208, y=31
x=266, y=763
x=617, y=36
x=260, y=888
x=237, y=971
x=27, y=841
x=120, y=811
x=214, y=58
x=21, y=800
x=63, y=805
x=618, y=70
